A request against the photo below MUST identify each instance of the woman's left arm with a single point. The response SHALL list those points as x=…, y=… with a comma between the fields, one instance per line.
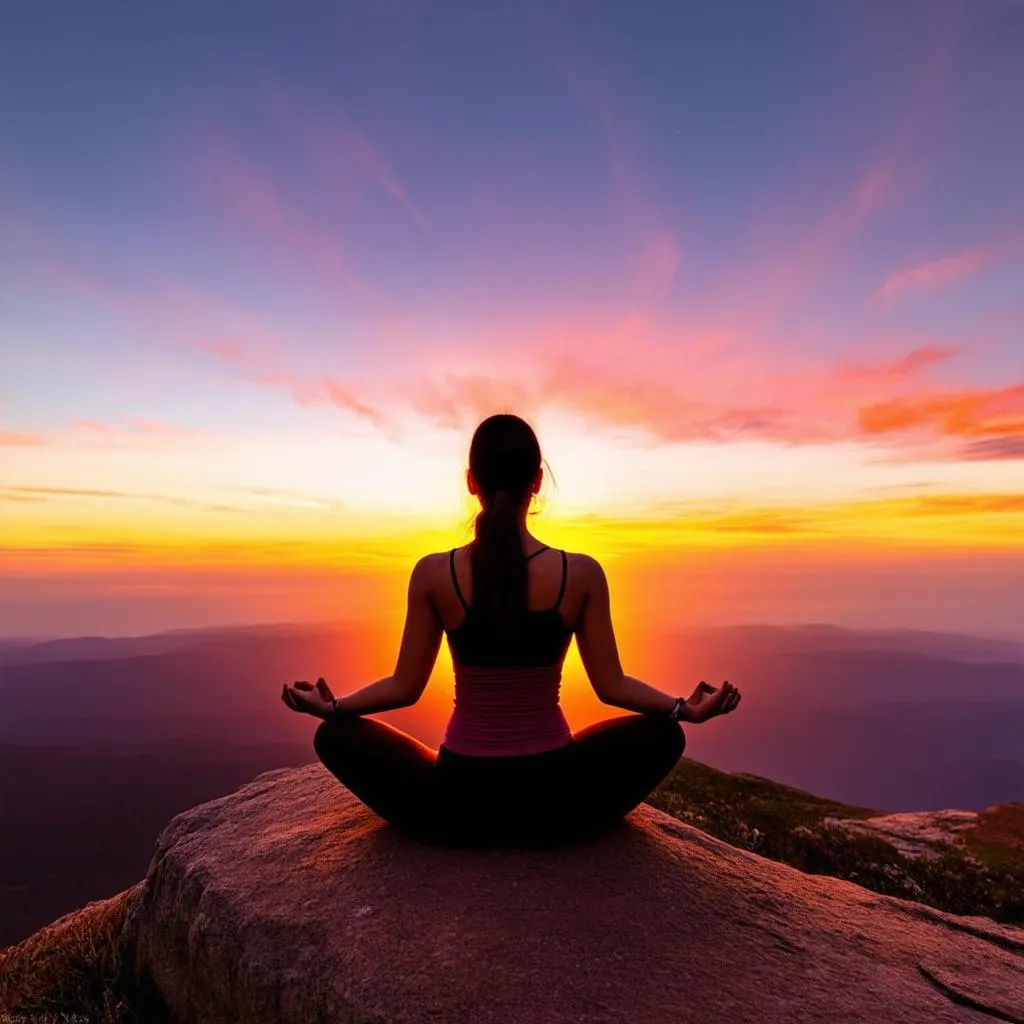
x=421, y=641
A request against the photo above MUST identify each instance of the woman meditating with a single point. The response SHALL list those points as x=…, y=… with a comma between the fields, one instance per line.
x=509, y=770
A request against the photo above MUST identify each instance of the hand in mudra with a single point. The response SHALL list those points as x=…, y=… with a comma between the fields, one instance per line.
x=708, y=701
x=307, y=698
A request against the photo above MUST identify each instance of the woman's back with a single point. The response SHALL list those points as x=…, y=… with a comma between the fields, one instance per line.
x=543, y=635
x=507, y=684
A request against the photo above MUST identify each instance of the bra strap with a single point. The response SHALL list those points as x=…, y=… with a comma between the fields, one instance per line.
x=565, y=570
x=455, y=580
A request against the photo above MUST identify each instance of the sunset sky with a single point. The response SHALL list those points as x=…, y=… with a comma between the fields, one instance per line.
x=754, y=271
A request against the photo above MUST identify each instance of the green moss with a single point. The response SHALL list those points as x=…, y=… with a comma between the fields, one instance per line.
x=788, y=825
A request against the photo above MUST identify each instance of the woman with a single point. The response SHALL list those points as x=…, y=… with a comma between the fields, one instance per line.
x=509, y=770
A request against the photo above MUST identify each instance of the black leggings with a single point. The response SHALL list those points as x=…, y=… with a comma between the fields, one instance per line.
x=452, y=799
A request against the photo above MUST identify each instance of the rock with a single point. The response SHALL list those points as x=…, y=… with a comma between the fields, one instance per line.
x=914, y=833
x=288, y=901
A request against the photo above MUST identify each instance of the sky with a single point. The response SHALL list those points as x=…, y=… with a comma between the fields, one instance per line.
x=753, y=271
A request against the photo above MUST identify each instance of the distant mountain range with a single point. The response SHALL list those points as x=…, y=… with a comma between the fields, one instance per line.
x=103, y=739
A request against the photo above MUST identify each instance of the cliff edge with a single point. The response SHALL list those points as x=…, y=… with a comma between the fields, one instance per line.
x=289, y=901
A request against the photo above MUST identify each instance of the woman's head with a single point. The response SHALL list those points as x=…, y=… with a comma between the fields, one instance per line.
x=504, y=473
x=504, y=455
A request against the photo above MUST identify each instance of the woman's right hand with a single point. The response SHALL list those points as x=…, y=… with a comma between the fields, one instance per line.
x=709, y=701
x=307, y=698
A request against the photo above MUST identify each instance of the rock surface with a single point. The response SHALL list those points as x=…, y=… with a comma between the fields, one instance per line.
x=914, y=833
x=288, y=901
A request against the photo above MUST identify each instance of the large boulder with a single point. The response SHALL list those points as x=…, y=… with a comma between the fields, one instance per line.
x=289, y=901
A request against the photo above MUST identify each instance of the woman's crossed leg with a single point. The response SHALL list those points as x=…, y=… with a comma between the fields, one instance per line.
x=608, y=769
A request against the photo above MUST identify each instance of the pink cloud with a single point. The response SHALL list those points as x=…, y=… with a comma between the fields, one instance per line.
x=947, y=270
x=992, y=448
x=788, y=255
x=664, y=377
x=333, y=392
x=452, y=400
x=656, y=397
x=794, y=268
x=914, y=362
x=244, y=187
x=308, y=235
x=936, y=274
x=692, y=391
x=96, y=426
x=22, y=439
x=133, y=428
x=42, y=252
x=657, y=254
x=373, y=163
x=973, y=413
x=231, y=350
x=333, y=143
x=157, y=428
x=325, y=390
x=659, y=259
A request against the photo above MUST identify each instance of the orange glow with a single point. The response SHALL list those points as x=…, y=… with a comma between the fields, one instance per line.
x=38, y=542
x=992, y=412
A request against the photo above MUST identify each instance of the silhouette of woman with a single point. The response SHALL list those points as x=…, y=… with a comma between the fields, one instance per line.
x=508, y=770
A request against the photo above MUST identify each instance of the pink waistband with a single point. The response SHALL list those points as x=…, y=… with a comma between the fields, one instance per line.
x=506, y=711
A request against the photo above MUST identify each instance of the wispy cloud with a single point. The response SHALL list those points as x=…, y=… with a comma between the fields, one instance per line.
x=911, y=364
x=935, y=274
x=960, y=504
x=130, y=430
x=675, y=393
x=42, y=494
x=323, y=390
x=657, y=253
x=451, y=400
x=249, y=190
x=357, y=145
x=291, y=498
x=1010, y=447
x=132, y=427
x=333, y=143
x=158, y=428
x=309, y=226
x=944, y=271
x=23, y=439
x=330, y=391
x=977, y=413
x=230, y=350
x=67, y=492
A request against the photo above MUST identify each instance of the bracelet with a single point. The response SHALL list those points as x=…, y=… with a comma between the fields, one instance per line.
x=335, y=706
x=676, y=714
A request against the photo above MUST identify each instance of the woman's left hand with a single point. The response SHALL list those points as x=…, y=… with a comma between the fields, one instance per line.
x=710, y=701
x=307, y=698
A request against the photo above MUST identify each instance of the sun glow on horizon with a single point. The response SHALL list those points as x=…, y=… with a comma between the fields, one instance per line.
x=251, y=321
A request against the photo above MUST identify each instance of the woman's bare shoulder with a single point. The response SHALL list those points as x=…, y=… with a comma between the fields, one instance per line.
x=584, y=566
x=428, y=567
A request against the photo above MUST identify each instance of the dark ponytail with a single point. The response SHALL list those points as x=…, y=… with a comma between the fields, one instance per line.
x=504, y=458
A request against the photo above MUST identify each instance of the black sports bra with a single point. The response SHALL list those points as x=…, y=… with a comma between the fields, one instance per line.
x=544, y=640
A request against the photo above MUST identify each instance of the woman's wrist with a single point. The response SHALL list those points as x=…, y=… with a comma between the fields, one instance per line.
x=678, y=712
x=333, y=707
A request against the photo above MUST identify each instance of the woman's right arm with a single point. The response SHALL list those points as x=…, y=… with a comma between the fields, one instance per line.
x=595, y=638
